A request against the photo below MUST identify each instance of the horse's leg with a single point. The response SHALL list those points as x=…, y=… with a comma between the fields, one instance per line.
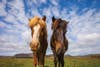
x=35, y=60
x=59, y=63
x=62, y=60
x=59, y=60
x=55, y=60
x=41, y=60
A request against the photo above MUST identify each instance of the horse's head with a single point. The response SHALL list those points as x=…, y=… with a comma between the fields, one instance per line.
x=59, y=29
x=59, y=24
x=36, y=24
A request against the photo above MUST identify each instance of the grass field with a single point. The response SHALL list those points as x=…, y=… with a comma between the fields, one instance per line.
x=69, y=62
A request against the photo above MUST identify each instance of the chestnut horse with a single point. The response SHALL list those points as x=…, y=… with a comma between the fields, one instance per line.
x=59, y=43
x=39, y=40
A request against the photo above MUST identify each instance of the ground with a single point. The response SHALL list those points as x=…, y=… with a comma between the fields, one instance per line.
x=69, y=62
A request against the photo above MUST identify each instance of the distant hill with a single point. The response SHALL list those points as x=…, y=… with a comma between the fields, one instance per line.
x=94, y=55
x=29, y=55
x=6, y=56
x=23, y=55
x=88, y=56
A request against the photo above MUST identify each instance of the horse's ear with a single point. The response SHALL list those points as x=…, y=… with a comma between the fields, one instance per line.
x=67, y=22
x=53, y=19
x=44, y=18
x=29, y=19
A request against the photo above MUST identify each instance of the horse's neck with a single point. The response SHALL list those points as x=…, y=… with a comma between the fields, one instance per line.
x=43, y=34
x=56, y=35
x=43, y=38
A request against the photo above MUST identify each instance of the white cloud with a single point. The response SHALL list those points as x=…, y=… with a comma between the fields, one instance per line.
x=35, y=12
x=11, y=44
x=54, y=2
x=10, y=19
x=55, y=11
x=2, y=9
x=47, y=12
x=52, y=11
x=92, y=37
x=26, y=35
x=2, y=24
x=36, y=2
x=43, y=1
x=12, y=41
x=84, y=32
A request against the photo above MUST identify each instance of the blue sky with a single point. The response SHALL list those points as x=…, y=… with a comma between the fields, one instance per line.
x=83, y=30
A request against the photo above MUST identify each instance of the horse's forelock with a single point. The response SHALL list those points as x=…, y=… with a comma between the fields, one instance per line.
x=34, y=21
x=62, y=23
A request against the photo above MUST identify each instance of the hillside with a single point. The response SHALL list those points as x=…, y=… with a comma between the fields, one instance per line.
x=29, y=55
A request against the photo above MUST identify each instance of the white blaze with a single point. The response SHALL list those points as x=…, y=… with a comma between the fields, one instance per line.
x=35, y=34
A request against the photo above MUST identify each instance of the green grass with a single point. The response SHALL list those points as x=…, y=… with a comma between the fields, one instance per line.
x=69, y=62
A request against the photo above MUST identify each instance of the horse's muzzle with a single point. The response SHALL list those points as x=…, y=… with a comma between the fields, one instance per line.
x=34, y=46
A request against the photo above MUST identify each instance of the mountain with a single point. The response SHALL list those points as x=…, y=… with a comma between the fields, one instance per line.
x=23, y=55
x=30, y=55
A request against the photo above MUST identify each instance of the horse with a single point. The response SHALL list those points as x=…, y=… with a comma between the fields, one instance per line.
x=59, y=42
x=39, y=42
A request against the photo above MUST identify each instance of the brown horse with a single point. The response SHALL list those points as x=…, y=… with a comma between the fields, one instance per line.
x=39, y=40
x=59, y=43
